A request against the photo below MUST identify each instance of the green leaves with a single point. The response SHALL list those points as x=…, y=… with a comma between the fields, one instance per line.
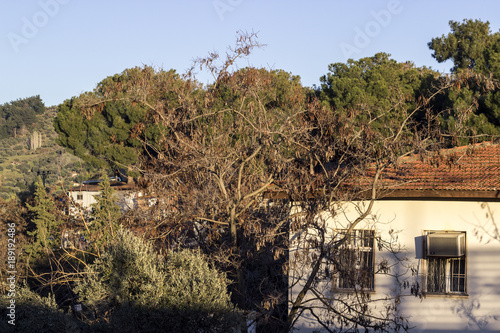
x=105, y=139
x=18, y=114
x=111, y=126
x=377, y=91
x=469, y=45
x=46, y=235
x=131, y=278
x=192, y=284
x=106, y=213
x=471, y=107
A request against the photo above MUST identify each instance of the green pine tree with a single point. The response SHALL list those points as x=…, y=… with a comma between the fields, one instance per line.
x=46, y=235
x=106, y=214
x=473, y=104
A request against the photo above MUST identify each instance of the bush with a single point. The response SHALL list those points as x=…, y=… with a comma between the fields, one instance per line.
x=24, y=168
x=34, y=313
x=146, y=292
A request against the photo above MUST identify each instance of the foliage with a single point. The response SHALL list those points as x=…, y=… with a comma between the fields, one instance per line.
x=106, y=213
x=471, y=46
x=380, y=90
x=102, y=127
x=147, y=292
x=45, y=233
x=471, y=108
x=19, y=114
x=34, y=313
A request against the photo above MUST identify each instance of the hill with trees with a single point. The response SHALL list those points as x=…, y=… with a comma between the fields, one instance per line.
x=28, y=149
x=18, y=116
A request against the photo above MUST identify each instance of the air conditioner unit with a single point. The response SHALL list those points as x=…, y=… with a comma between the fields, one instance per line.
x=445, y=244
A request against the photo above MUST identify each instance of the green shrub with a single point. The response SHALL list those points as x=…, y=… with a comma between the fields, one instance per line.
x=34, y=313
x=146, y=292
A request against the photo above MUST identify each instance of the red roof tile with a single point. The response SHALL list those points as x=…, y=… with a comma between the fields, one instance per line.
x=470, y=168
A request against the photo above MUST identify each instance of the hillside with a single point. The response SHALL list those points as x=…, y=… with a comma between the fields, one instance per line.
x=34, y=152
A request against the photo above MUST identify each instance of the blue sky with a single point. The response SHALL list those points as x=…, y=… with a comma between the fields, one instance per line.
x=61, y=48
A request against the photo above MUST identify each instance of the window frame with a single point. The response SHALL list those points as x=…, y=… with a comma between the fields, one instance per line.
x=356, y=245
x=454, y=268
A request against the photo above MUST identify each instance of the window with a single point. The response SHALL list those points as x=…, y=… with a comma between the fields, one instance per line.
x=79, y=197
x=354, y=261
x=446, y=262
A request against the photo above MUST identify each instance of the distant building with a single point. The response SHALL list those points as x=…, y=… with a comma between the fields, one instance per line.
x=82, y=197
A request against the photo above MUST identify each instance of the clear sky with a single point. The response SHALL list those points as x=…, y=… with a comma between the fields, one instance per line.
x=61, y=48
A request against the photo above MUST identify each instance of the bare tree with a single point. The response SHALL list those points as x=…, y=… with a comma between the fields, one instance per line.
x=324, y=259
x=235, y=167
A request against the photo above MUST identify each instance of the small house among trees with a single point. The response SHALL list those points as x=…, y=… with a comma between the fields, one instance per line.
x=83, y=196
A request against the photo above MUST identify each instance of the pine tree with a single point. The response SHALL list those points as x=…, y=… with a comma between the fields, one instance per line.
x=45, y=234
x=106, y=214
x=472, y=105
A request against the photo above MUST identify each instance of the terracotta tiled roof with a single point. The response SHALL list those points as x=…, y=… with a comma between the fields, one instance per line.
x=469, y=168
x=468, y=172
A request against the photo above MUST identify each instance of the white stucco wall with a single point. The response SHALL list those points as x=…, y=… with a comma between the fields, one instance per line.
x=480, y=310
x=126, y=200
x=83, y=204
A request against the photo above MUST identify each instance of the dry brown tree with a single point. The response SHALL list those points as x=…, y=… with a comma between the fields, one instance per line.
x=238, y=167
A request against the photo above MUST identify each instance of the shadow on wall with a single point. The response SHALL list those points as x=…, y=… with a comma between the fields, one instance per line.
x=479, y=311
x=486, y=228
x=467, y=309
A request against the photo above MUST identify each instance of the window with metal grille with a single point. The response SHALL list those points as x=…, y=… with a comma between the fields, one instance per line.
x=446, y=263
x=354, y=261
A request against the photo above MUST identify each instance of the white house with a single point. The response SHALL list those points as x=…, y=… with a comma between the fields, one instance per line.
x=82, y=197
x=439, y=266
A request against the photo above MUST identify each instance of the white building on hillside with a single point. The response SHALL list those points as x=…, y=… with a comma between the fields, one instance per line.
x=82, y=197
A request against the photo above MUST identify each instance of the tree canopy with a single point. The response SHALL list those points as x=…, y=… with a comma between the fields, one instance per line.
x=19, y=114
x=473, y=104
x=380, y=89
x=471, y=46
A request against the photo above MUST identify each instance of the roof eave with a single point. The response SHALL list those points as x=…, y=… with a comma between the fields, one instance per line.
x=440, y=194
